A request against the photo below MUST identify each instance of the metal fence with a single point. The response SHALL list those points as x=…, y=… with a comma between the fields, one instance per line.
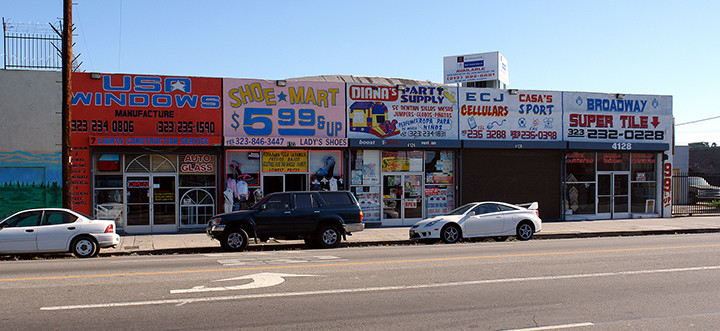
x=695, y=193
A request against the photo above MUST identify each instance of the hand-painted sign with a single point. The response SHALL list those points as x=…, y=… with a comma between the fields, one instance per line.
x=378, y=112
x=497, y=115
x=622, y=120
x=139, y=110
x=285, y=161
x=259, y=113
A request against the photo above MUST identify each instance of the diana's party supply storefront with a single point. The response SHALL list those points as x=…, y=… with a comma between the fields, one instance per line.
x=404, y=146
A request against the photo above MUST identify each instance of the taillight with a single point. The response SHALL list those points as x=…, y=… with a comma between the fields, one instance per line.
x=110, y=228
x=537, y=213
x=361, y=216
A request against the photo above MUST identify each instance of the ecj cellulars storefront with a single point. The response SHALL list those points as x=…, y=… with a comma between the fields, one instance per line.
x=404, y=142
x=145, y=150
x=282, y=136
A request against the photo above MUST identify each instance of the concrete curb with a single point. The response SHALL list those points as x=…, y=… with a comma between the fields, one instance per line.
x=298, y=246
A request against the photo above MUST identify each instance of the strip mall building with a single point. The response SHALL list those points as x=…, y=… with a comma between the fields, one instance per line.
x=164, y=154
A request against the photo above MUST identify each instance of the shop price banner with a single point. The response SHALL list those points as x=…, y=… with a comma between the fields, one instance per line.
x=496, y=115
x=622, y=120
x=299, y=114
x=413, y=112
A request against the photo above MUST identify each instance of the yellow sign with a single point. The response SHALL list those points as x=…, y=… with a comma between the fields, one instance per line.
x=285, y=161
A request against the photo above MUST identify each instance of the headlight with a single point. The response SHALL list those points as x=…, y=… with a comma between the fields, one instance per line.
x=214, y=221
x=431, y=223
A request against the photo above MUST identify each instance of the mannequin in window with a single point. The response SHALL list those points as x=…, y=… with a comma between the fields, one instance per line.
x=228, y=205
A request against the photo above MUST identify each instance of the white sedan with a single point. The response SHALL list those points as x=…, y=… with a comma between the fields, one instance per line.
x=55, y=230
x=480, y=219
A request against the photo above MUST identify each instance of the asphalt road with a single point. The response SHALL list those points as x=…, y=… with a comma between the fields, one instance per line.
x=666, y=282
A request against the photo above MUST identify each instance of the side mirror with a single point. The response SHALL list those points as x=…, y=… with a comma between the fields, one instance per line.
x=471, y=213
x=263, y=206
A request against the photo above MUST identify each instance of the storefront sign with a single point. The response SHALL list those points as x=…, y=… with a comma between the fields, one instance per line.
x=391, y=113
x=300, y=114
x=494, y=115
x=475, y=68
x=139, y=110
x=285, y=161
x=197, y=164
x=621, y=122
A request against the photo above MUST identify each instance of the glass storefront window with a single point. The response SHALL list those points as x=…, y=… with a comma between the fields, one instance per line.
x=580, y=198
x=643, y=197
x=613, y=162
x=439, y=179
x=365, y=182
x=243, y=178
x=643, y=167
x=580, y=167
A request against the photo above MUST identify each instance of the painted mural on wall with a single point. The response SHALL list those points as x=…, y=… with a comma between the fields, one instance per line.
x=29, y=181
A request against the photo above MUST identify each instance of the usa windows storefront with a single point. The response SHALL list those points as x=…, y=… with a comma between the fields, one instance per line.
x=146, y=150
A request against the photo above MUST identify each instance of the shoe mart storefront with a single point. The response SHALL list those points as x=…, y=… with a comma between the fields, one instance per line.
x=403, y=149
x=146, y=150
x=282, y=136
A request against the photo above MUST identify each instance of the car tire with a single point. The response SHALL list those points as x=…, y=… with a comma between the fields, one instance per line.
x=234, y=240
x=311, y=243
x=84, y=247
x=525, y=231
x=450, y=234
x=328, y=237
x=692, y=198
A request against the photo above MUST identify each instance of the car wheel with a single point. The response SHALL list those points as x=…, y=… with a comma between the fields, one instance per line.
x=328, y=237
x=450, y=234
x=692, y=198
x=84, y=247
x=525, y=231
x=234, y=240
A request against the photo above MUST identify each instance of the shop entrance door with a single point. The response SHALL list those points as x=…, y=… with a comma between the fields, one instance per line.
x=613, y=194
x=402, y=198
x=151, y=205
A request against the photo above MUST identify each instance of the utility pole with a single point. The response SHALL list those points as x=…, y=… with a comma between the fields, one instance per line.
x=66, y=101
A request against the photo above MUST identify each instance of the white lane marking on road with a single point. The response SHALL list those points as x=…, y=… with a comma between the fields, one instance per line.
x=263, y=279
x=554, y=327
x=375, y=289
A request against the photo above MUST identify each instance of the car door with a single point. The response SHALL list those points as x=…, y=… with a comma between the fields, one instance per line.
x=19, y=232
x=306, y=209
x=272, y=218
x=487, y=220
x=56, y=230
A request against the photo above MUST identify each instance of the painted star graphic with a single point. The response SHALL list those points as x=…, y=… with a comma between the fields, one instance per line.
x=281, y=96
x=177, y=85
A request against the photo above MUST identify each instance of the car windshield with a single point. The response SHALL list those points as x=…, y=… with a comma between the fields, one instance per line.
x=699, y=181
x=462, y=209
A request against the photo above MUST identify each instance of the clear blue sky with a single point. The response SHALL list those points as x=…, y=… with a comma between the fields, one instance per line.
x=644, y=47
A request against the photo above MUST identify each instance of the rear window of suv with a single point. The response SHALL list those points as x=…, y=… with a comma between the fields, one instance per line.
x=337, y=198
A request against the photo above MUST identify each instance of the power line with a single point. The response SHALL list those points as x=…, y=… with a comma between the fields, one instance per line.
x=702, y=120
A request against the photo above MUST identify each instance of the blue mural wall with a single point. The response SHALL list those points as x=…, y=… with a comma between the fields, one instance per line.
x=29, y=180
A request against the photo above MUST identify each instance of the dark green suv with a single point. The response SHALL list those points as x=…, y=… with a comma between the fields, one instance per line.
x=321, y=218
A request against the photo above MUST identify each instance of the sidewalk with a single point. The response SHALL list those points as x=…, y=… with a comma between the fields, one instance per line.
x=201, y=243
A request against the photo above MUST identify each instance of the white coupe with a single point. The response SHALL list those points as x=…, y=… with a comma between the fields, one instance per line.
x=480, y=219
x=55, y=230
